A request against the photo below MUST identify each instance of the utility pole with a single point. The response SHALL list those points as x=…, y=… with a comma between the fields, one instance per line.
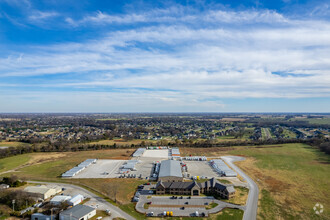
x=51, y=214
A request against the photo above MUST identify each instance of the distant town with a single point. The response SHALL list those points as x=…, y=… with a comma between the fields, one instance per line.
x=66, y=132
x=142, y=166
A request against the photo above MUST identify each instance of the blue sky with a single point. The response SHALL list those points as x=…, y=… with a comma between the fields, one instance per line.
x=164, y=56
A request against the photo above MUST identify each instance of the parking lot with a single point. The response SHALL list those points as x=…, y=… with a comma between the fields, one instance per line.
x=102, y=169
x=163, y=153
x=200, y=168
x=144, y=167
x=181, y=206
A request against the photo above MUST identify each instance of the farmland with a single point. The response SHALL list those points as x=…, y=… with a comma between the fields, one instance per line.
x=282, y=172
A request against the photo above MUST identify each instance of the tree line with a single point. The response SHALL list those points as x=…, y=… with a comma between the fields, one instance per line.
x=322, y=143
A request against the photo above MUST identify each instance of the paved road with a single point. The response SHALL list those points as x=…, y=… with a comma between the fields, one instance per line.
x=252, y=201
x=95, y=200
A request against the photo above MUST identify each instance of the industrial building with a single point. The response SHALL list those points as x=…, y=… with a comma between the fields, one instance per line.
x=222, y=168
x=170, y=171
x=211, y=186
x=76, y=200
x=139, y=152
x=78, y=212
x=58, y=200
x=75, y=170
x=42, y=191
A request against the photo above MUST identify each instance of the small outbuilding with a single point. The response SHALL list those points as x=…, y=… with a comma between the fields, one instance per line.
x=41, y=191
x=57, y=200
x=40, y=216
x=78, y=212
x=76, y=200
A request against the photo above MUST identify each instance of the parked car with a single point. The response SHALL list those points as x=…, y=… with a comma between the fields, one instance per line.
x=108, y=211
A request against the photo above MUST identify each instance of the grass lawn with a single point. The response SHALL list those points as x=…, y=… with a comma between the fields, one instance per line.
x=228, y=214
x=9, y=163
x=241, y=196
x=224, y=181
x=211, y=205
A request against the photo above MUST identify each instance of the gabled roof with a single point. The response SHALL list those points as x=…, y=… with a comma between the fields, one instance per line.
x=183, y=185
x=38, y=189
x=78, y=211
x=170, y=168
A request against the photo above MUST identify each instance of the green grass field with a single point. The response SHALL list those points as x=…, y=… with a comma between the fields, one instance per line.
x=13, y=162
x=287, y=176
x=292, y=177
x=288, y=134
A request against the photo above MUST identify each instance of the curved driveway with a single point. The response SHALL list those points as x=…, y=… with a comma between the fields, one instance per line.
x=250, y=212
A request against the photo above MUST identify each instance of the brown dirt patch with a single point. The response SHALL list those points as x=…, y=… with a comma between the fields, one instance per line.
x=212, y=151
x=268, y=146
x=41, y=158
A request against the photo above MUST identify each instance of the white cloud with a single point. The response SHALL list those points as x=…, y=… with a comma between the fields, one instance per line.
x=186, y=65
x=38, y=16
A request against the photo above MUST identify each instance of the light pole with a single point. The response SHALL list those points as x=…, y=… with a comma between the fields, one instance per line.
x=13, y=205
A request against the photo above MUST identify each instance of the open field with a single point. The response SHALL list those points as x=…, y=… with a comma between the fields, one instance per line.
x=13, y=162
x=286, y=175
x=51, y=167
x=288, y=134
x=121, y=142
x=320, y=121
x=13, y=144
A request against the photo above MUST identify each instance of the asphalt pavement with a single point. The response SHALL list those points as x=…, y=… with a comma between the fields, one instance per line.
x=250, y=212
